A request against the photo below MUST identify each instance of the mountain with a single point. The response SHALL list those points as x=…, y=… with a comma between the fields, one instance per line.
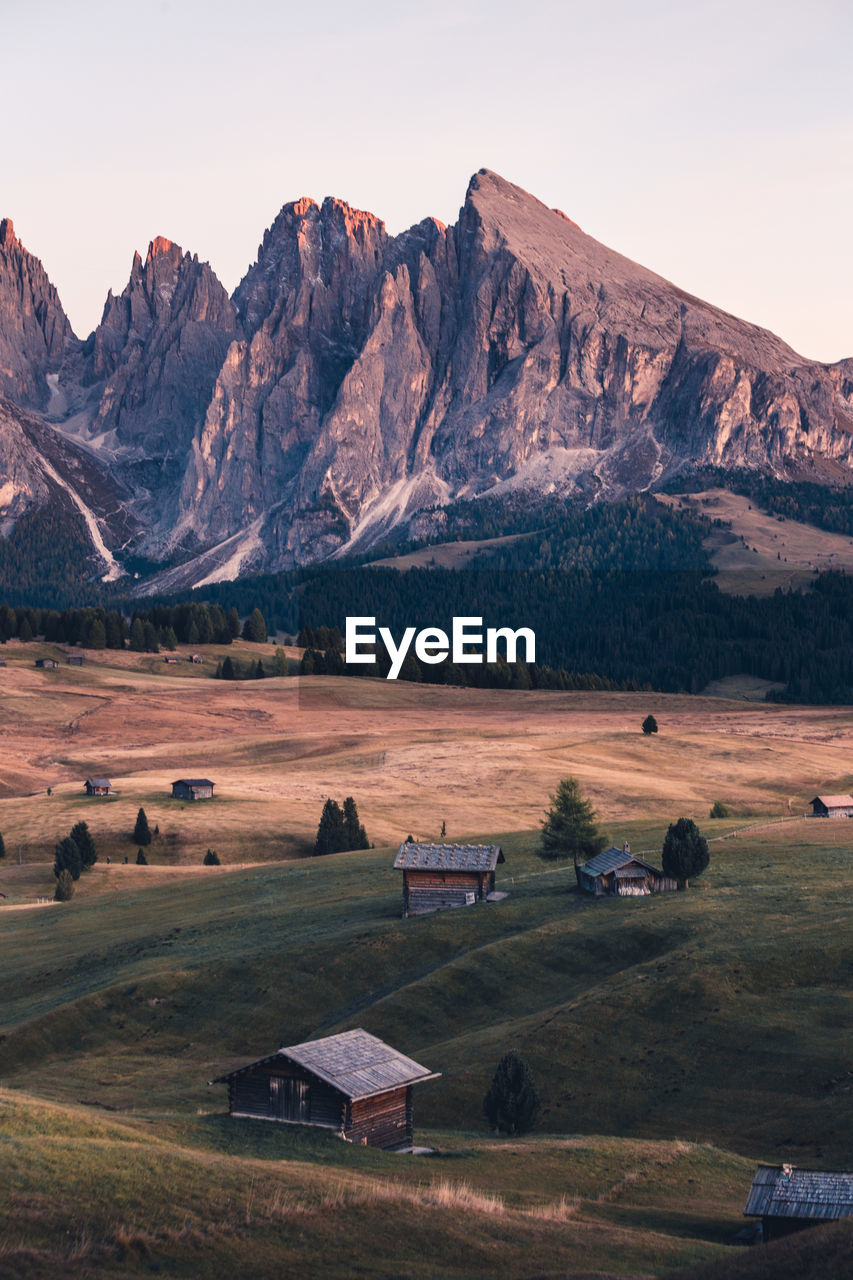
x=355, y=378
x=34, y=330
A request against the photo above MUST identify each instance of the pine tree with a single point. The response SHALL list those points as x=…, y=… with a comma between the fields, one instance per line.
x=2, y=846
x=137, y=636
x=233, y=623
x=67, y=858
x=64, y=890
x=211, y=859
x=97, y=638
x=82, y=837
x=331, y=833
x=685, y=852
x=228, y=671
x=150, y=641
x=569, y=829
x=259, y=672
x=355, y=833
x=141, y=860
x=280, y=664
x=512, y=1103
x=255, y=628
x=141, y=832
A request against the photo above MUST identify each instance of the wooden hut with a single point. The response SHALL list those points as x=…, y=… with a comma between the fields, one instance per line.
x=98, y=787
x=192, y=789
x=788, y=1199
x=622, y=874
x=74, y=659
x=352, y=1083
x=832, y=807
x=47, y=663
x=436, y=876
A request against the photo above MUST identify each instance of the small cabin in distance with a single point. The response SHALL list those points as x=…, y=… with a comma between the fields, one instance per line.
x=74, y=659
x=98, y=787
x=438, y=876
x=832, y=807
x=787, y=1199
x=192, y=789
x=619, y=873
x=48, y=664
x=353, y=1083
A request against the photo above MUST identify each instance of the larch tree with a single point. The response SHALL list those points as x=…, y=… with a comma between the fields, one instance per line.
x=569, y=829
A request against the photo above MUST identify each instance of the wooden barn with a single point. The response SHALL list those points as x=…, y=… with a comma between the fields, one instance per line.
x=832, y=807
x=74, y=659
x=192, y=789
x=352, y=1083
x=98, y=787
x=47, y=663
x=620, y=873
x=436, y=876
x=788, y=1199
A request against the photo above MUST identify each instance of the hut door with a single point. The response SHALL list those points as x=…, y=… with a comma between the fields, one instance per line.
x=288, y=1099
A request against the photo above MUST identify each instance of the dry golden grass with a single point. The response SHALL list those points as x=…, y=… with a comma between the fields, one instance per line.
x=774, y=552
x=450, y=555
x=413, y=756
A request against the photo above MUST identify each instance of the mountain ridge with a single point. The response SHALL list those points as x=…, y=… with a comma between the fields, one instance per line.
x=355, y=378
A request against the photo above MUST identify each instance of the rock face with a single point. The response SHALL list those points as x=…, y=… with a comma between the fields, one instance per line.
x=150, y=368
x=34, y=330
x=355, y=378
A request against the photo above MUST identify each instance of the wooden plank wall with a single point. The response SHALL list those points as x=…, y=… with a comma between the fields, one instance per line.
x=385, y=1121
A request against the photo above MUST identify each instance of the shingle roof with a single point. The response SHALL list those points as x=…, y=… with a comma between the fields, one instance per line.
x=782, y=1191
x=356, y=1063
x=613, y=858
x=835, y=802
x=449, y=857
x=193, y=782
x=98, y=782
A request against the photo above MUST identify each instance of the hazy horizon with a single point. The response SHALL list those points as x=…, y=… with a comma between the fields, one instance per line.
x=704, y=142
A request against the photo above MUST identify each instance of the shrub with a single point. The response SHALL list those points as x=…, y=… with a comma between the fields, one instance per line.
x=211, y=859
x=2, y=846
x=650, y=725
x=141, y=860
x=719, y=810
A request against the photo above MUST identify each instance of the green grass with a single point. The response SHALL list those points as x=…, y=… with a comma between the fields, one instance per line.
x=675, y=1040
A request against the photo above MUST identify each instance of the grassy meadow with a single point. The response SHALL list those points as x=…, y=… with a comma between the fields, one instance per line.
x=675, y=1040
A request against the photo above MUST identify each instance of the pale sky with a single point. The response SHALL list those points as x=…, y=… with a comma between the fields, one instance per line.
x=710, y=141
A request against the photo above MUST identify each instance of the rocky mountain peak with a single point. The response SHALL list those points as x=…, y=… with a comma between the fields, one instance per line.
x=355, y=378
x=34, y=329
x=160, y=246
